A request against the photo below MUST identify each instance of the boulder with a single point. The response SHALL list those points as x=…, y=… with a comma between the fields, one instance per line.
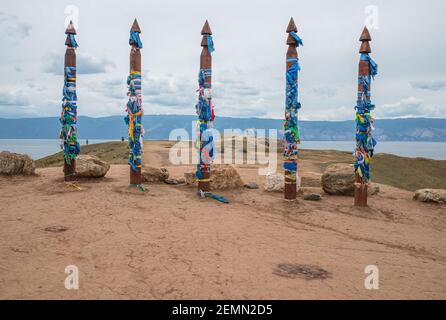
x=430, y=195
x=89, y=166
x=154, y=175
x=339, y=179
x=223, y=177
x=274, y=182
x=15, y=164
x=373, y=189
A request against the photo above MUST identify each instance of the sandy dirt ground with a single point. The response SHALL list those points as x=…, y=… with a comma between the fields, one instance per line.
x=166, y=243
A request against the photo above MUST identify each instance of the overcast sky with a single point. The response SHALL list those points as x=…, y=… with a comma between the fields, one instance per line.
x=248, y=63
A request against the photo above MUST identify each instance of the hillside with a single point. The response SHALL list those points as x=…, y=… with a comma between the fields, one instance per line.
x=405, y=173
x=158, y=127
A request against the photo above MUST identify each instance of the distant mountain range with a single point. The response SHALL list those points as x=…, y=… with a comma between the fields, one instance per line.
x=158, y=127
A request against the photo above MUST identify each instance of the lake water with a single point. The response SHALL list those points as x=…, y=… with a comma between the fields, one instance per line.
x=38, y=148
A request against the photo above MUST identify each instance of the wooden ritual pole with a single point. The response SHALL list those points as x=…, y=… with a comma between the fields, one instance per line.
x=205, y=110
x=364, y=140
x=68, y=117
x=134, y=107
x=292, y=105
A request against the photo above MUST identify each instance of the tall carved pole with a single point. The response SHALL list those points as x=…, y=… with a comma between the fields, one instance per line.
x=291, y=130
x=205, y=111
x=134, y=107
x=365, y=142
x=68, y=118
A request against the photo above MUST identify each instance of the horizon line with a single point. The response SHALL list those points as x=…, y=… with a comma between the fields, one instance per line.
x=233, y=117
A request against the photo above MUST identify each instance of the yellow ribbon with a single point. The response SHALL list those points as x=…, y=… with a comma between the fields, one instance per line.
x=132, y=123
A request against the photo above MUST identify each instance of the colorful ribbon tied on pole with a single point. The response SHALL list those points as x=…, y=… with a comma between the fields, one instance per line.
x=68, y=117
x=134, y=111
x=291, y=131
x=365, y=143
x=205, y=112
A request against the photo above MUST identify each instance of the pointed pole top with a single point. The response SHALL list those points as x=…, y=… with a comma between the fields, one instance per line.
x=291, y=40
x=70, y=29
x=291, y=26
x=135, y=27
x=365, y=38
x=365, y=35
x=206, y=29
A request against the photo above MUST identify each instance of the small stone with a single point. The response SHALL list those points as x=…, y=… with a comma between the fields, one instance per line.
x=56, y=228
x=312, y=197
x=175, y=181
x=251, y=185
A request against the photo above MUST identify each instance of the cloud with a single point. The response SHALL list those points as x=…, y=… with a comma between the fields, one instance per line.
x=176, y=93
x=331, y=114
x=86, y=64
x=111, y=88
x=160, y=93
x=433, y=85
x=13, y=98
x=409, y=107
x=324, y=91
x=244, y=90
x=12, y=28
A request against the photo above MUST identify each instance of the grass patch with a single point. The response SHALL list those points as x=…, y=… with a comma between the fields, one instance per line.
x=112, y=152
x=409, y=173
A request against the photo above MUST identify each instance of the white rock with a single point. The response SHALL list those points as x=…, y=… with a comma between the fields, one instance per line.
x=274, y=182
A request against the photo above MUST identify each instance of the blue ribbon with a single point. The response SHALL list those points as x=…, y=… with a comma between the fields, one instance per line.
x=372, y=63
x=210, y=43
x=297, y=38
x=134, y=39
x=73, y=42
x=290, y=166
